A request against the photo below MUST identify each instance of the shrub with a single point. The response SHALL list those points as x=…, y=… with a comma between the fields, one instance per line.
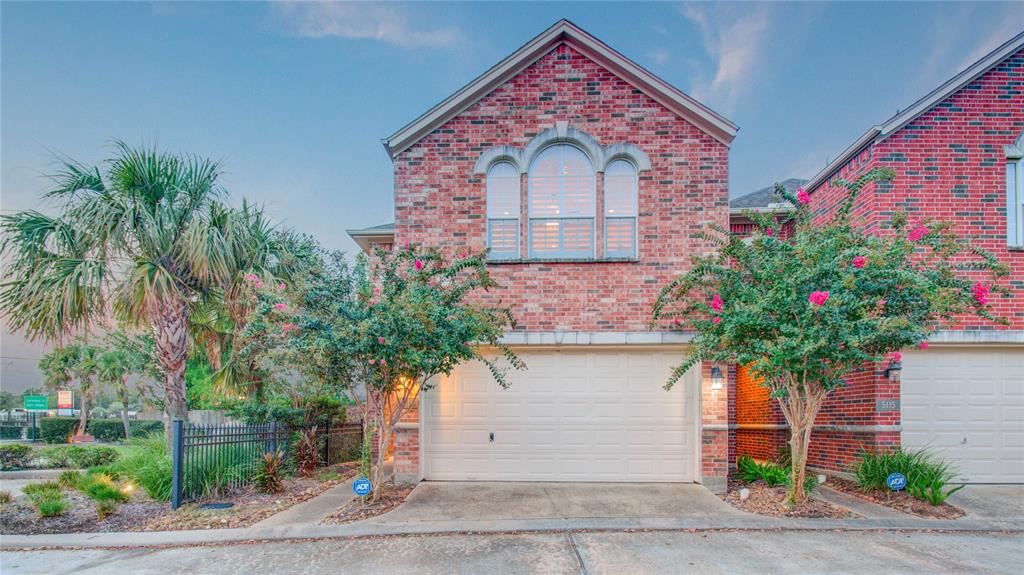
x=36, y=488
x=768, y=472
x=926, y=476
x=307, y=452
x=69, y=478
x=5, y=497
x=146, y=462
x=57, y=429
x=101, y=487
x=83, y=457
x=146, y=427
x=53, y=457
x=113, y=429
x=105, y=508
x=268, y=478
x=10, y=432
x=46, y=497
x=52, y=506
x=14, y=456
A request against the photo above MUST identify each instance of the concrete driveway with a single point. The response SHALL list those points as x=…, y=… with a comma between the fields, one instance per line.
x=1001, y=502
x=491, y=501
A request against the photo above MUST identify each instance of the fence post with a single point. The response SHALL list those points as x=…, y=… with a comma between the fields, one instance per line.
x=273, y=437
x=327, y=447
x=177, y=467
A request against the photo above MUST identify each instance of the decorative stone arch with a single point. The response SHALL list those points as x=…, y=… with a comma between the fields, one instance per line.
x=509, y=154
x=1015, y=151
x=563, y=134
x=627, y=152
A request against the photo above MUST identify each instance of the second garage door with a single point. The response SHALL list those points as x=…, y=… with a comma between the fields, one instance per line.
x=967, y=406
x=573, y=415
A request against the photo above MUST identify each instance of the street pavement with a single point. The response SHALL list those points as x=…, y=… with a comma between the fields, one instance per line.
x=590, y=553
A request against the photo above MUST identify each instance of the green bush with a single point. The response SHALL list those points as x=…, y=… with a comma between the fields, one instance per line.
x=69, y=479
x=10, y=432
x=14, y=456
x=926, y=476
x=146, y=462
x=57, y=429
x=53, y=457
x=113, y=429
x=51, y=506
x=772, y=474
x=38, y=488
x=83, y=457
x=46, y=497
x=104, y=508
x=101, y=487
x=5, y=497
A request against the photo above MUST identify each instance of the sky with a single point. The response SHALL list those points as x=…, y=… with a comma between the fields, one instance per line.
x=295, y=98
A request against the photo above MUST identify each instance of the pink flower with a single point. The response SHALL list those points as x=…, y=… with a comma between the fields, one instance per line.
x=802, y=196
x=716, y=302
x=917, y=233
x=922, y=345
x=716, y=320
x=859, y=262
x=818, y=297
x=288, y=327
x=897, y=356
x=881, y=303
x=258, y=284
x=980, y=292
x=251, y=277
x=281, y=306
x=769, y=232
x=405, y=244
x=380, y=340
x=383, y=362
x=280, y=287
x=373, y=361
x=419, y=265
x=376, y=291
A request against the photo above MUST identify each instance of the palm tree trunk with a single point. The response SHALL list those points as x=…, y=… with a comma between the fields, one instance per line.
x=83, y=415
x=123, y=391
x=170, y=325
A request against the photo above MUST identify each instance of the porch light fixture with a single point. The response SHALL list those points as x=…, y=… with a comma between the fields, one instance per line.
x=717, y=381
x=895, y=366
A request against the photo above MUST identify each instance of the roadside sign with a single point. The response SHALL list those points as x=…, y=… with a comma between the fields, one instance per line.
x=35, y=402
x=65, y=402
x=362, y=487
x=896, y=481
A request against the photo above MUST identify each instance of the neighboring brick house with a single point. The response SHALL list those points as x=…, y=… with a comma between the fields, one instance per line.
x=765, y=200
x=588, y=178
x=957, y=156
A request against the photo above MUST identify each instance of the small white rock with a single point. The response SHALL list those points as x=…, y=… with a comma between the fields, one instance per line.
x=821, y=479
x=744, y=494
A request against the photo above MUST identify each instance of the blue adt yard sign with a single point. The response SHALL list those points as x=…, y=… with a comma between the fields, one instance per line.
x=362, y=487
x=896, y=481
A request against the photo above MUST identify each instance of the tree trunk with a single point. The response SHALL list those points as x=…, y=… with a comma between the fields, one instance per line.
x=123, y=391
x=83, y=415
x=800, y=407
x=170, y=327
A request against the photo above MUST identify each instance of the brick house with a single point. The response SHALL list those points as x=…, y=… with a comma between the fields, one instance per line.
x=587, y=178
x=957, y=155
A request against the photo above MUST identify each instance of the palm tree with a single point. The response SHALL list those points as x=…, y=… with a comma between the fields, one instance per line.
x=67, y=364
x=147, y=238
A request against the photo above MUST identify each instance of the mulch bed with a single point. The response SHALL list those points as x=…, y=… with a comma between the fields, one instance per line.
x=391, y=496
x=765, y=500
x=898, y=500
x=19, y=517
x=249, y=507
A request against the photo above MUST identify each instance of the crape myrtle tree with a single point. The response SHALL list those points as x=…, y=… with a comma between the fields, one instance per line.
x=146, y=239
x=804, y=311
x=384, y=329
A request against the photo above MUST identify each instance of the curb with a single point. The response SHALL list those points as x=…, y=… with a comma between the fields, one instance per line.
x=369, y=528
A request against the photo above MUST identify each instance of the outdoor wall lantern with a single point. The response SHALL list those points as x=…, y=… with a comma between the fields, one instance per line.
x=895, y=366
x=717, y=381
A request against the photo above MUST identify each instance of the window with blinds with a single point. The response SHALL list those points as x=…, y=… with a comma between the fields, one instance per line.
x=503, y=211
x=620, y=209
x=561, y=204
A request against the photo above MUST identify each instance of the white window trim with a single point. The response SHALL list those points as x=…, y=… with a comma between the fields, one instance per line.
x=1015, y=193
x=517, y=218
x=636, y=212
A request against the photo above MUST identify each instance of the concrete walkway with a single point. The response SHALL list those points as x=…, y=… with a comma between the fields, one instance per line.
x=311, y=511
x=862, y=507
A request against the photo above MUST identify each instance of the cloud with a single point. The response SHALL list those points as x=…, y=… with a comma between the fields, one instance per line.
x=659, y=56
x=362, y=21
x=733, y=37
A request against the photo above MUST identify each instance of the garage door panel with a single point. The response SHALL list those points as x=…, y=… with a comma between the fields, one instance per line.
x=573, y=416
x=967, y=406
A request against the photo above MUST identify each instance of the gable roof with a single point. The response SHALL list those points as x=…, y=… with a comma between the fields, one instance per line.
x=765, y=198
x=902, y=118
x=562, y=32
x=366, y=237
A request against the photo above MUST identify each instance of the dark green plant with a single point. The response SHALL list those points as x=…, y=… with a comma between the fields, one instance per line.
x=100, y=487
x=51, y=506
x=269, y=477
x=929, y=482
x=307, y=452
x=146, y=463
x=53, y=457
x=84, y=457
x=806, y=310
x=57, y=429
x=69, y=479
x=926, y=475
x=751, y=471
x=14, y=456
x=10, y=432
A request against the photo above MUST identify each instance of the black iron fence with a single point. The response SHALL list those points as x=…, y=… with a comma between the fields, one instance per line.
x=21, y=424
x=212, y=460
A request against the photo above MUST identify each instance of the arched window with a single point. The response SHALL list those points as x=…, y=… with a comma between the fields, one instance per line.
x=1015, y=193
x=503, y=211
x=561, y=204
x=620, y=184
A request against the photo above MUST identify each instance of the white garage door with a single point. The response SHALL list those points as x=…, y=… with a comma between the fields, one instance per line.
x=968, y=406
x=573, y=415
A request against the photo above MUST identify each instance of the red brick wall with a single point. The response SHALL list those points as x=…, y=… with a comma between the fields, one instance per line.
x=439, y=201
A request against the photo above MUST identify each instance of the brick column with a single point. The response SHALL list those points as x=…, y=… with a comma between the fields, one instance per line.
x=714, y=464
x=406, y=454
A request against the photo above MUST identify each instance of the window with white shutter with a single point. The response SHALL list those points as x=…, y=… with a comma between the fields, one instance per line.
x=503, y=211
x=561, y=204
x=620, y=209
x=1015, y=198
